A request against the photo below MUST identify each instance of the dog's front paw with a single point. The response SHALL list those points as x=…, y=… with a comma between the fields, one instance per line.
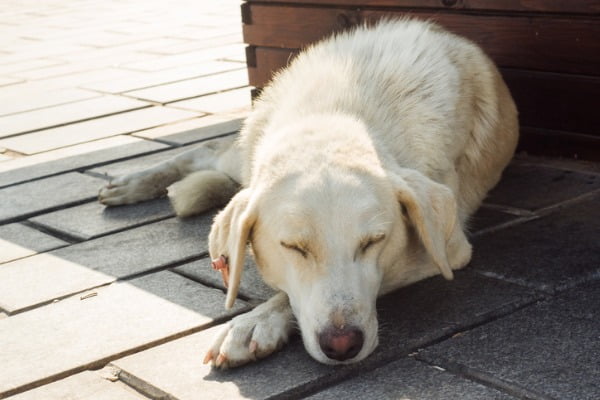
x=132, y=188
x=251, y=336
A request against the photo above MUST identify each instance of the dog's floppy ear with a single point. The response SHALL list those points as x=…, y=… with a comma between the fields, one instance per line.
x=229, y=235
x=432, y=211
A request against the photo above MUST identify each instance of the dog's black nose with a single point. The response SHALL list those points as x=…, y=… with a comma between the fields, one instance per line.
x=341, y=343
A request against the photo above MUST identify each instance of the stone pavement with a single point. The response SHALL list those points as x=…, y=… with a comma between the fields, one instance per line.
x=120, y=303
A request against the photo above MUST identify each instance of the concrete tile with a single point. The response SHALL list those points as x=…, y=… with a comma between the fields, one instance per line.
x=27, y=66
x=189, y=58
x=41, y=278
x=91, y=220
x=552, y=253
x=66, y=113
x=18, y=241
x=534, y=348
x=193, y=45
x=87, y=330
x=486, y=218
x=24, y=100
x=193, y=130
x=533, y=187
x=449, y=307
x=252, y=285
x=409, y=379
x=4, y=157
x=184, y=376
x=74, y=157
x=79, y=79
x=141, y=163
x=229, y=101
x=41, y=51
x=22, y=200
x=137, y=164
x=86, y=385
x=193, y=87
x=206, y=302
x=6, y=81
x=57, y=70
x=149, y=79
x=99, y=128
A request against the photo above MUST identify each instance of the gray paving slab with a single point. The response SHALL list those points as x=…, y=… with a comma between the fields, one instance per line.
x=141, y=163
x=23, y=200
x=409, y=379
x=533, y=187
x=86, y=385
x=99, y=128
x=89, y=329
x=138, y=163
x=91, y=220
x=193, y=130
x=18, y=241
x=66, y=113
x=192, y=87
x=41, y=278
x=486, y=218
x=252, y=285
x=552, y=253
x=74, y=157
x=228, y=101
x=551, y=348
x=411, y=317
x=22, y=100
x=4, y=157
x=149, y=79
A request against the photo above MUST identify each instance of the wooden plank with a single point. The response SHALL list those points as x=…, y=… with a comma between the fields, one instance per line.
x=551, y=6
x=557, y=44
x=559, y=144
x=545, y=100
x=556, y=101
x=267, y=60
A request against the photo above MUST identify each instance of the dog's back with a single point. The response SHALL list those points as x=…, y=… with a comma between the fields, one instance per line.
x=432, y=101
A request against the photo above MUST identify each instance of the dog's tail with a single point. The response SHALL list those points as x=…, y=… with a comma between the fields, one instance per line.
x=200, y=191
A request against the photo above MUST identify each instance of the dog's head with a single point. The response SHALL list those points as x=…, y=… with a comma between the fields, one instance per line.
x=330, y=237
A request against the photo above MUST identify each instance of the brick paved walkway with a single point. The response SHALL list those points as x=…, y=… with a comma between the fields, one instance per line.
x=119, y=303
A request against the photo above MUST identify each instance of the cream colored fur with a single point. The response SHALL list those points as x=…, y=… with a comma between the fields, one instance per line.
x=360, y=166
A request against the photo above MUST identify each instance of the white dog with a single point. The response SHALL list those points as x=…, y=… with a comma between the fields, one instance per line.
x=359, y=168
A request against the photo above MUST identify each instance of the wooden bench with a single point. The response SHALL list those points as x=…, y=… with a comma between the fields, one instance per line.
x=548, y=52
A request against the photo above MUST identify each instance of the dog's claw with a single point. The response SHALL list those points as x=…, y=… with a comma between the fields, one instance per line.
x=253, y=346
x=221, y=359
x=208, y=357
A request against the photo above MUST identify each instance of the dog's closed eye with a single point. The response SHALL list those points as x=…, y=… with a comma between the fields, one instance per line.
x=368, y=242
x=299, y=248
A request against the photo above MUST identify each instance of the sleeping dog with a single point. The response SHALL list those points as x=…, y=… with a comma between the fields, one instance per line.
x=354, y=175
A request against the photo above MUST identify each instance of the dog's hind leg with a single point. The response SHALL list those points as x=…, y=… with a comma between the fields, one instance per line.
x=211, y=172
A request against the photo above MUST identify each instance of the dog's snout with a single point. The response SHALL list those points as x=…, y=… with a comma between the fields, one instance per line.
x=341, y=343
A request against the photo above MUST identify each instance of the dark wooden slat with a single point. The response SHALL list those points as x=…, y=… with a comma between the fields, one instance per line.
x=556, y=101
x=551, y=6
x=559, y=112
x=528, y=42
x=559, y=144
x=545, y=100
